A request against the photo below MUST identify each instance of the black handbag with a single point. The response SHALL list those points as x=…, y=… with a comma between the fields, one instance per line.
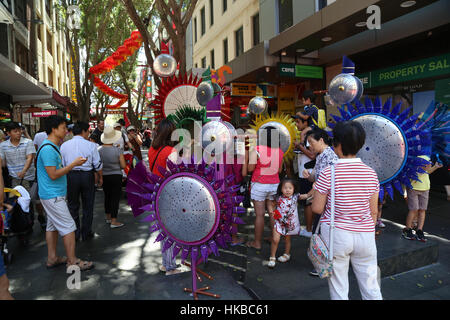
x=245, y=191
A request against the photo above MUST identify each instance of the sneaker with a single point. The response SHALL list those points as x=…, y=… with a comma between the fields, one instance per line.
x=272, y=262
x=314, y=273
x=305, y=233
x=420, y=236
x=380, y=224
x=408, y=234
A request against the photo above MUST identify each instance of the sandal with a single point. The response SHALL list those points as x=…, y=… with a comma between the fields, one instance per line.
x=251, y=244
x=284, y=258
x=172, y=272
x=272, y=262
x=83, y=265
x=59, y=261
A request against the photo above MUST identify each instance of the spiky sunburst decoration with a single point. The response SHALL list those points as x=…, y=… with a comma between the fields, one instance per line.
x=186, y=114
x=174, y=93
x=393, y=142
x=289, y=132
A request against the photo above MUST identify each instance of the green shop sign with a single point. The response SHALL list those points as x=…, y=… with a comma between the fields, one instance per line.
x=300, y=71
x=426, y=68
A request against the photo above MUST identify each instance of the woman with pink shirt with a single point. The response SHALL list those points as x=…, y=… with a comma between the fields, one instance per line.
x=265, y=161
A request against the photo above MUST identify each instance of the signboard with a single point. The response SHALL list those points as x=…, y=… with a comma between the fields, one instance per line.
x=309, y=72
x=442, y=91
x=46, y=113
x=300, y=71
x=426, y=68
x=253, y=90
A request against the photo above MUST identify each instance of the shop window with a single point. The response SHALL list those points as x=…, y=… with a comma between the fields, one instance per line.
x=225, y=51
x=255, y=20
x=285, y=16
x=211, y=12
x=202, y=21
x=4, y=48
x=239, y=37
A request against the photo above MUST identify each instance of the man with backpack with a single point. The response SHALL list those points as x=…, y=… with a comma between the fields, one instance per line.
x=52, y=188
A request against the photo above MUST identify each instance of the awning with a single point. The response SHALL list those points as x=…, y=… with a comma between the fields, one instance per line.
x=19, y=84
x=5, y=15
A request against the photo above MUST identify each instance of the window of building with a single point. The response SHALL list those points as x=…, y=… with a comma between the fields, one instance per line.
x=213, y=65
x=48, y=7
x=239, y=37
x=22, y=56
x=195, y=30
x=196, y=65
x=4, y=48
x=39, y=33
x=224, y=5
x=202, y=21
x=285, y=16
x=20, y=10
x=49, y=42
x=7, y=4
x=211, y=12
x=225, y=51
x=255, y=21
x=204, y=62
x=57, y=54
x=50, y=77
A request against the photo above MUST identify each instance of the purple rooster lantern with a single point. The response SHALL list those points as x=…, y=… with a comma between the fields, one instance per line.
x=193, y=211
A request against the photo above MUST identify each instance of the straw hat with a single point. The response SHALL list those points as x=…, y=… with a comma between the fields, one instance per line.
x=109, y=135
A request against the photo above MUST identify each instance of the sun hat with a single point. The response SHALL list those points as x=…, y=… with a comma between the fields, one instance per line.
x=117, y=125
x=131, y=128
x=110, y=135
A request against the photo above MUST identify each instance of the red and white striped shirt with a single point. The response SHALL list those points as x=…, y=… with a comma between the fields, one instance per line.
x=355, y=183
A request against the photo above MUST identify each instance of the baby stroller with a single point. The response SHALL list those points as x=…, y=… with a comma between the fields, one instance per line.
x=17, y=218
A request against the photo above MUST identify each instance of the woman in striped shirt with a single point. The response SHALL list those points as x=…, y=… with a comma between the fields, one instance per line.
x=356, y=199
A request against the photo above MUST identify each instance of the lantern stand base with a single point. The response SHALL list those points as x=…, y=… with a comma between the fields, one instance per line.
x=196, y=291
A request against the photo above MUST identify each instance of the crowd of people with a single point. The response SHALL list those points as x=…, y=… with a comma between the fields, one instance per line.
x=68, y=164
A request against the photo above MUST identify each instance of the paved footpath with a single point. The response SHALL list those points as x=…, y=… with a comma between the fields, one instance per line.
x=127, y=262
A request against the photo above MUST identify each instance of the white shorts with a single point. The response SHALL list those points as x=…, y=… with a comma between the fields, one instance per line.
x=58, y=216
x=262, y=191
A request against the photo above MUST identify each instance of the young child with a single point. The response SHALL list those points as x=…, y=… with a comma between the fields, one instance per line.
x=286, y=220
x=418, y=202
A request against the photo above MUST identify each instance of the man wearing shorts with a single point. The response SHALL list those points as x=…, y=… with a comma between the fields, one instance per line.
x=52, y=188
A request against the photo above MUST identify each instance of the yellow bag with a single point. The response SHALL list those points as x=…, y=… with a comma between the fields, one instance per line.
x=321, y=118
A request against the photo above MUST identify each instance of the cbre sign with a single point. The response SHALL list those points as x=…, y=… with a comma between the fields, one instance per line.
x=300, y=71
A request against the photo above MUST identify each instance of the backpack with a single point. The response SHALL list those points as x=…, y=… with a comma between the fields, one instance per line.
x=321, y=118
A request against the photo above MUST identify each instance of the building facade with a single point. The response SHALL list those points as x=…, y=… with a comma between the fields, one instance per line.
x=301, y=44
x=34, y=63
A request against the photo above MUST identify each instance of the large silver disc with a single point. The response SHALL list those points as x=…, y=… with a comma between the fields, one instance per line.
x=343, y=88
x=187, y=209
x=385, y=146
x=164, y=66
x=285, y=137
x=221, y=131
x=205, y=92
x=257, y=105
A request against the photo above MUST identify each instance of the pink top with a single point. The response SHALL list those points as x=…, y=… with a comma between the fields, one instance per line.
x=268, y=165
x=355, y=183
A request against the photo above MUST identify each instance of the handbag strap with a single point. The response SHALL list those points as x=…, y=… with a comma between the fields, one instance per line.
x=156, y=158
x=333, y=198
x=333, y=195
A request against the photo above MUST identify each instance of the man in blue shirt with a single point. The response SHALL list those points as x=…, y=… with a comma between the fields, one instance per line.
x=52, y=188
x=81, y=179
